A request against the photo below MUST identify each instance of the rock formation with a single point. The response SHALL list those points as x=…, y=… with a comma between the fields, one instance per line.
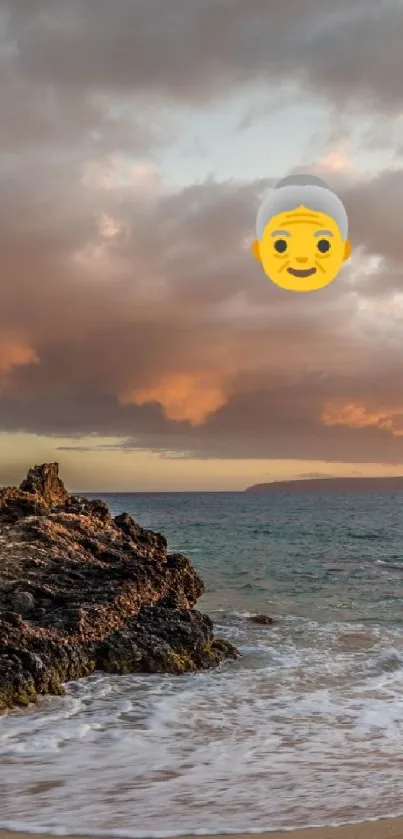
x=80, y=591
x=45, y=481
x=262, y=620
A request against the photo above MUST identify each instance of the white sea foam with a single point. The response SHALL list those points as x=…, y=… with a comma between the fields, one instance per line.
x=286, y=734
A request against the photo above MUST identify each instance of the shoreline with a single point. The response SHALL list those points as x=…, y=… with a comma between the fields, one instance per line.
x=386, y=828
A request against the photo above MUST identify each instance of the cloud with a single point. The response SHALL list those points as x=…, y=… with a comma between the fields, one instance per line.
x=310, y=475
x=14, y=353
x=182, y=396
x=353, y=415
x=338, y=159
x=75, y=449
x=191, y=51
x=175, y=339
x=111, y=171
x=98, y=75
x=133, y=309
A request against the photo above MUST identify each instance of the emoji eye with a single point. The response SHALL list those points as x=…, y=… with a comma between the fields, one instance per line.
x=323, y=245
x=280, y=245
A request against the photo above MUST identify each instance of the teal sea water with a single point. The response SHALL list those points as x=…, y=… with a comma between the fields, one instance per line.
x=306, y=728
x=312, y=556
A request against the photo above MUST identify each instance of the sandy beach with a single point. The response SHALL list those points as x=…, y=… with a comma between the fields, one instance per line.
x=383, y=829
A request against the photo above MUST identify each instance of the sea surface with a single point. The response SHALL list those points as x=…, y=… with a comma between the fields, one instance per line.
x=305, y=728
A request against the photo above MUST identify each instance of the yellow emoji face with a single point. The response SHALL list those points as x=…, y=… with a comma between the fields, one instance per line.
x=302, y=249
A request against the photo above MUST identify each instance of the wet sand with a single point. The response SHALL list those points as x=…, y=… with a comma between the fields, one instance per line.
x=384, y=829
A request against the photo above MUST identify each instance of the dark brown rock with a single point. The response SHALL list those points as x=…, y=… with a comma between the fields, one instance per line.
x=14, y=504
x=44, y=480
x=22, y=601
x=263, y=620
x=80, y=590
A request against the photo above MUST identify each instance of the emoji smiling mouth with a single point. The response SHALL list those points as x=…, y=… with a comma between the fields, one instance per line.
x=301, y=272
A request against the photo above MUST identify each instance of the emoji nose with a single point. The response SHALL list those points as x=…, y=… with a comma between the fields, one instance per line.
x=302, y=259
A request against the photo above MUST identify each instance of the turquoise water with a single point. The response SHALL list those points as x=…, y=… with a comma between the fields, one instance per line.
x=329, y=557
x=284, y=737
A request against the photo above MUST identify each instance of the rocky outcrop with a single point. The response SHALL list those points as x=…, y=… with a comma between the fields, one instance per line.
x=81, y=590
x=262, y=620
x=45, y=481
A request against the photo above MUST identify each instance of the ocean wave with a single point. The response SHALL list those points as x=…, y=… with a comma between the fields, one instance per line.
x=393, y=566
x=310, y=712
x=388, y=662
x=245, y=829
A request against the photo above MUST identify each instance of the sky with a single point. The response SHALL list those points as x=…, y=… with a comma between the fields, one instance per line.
x=141, y=345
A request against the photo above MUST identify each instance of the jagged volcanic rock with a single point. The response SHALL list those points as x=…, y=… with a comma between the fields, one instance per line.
x=45, y=481
x=80, y=590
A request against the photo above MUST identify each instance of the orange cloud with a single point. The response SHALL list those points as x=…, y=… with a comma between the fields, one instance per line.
x=356, y=415
x=15, y=353
x=182, y=396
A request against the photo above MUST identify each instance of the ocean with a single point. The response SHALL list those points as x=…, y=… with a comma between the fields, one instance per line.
x=306, y=728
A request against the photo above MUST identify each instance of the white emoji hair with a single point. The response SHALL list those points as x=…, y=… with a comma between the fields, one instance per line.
x=306, y=190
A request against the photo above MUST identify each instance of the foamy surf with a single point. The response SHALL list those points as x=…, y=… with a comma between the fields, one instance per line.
x=310, y=713
x=17, y=827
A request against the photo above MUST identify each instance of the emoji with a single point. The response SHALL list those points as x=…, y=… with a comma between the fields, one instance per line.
x=302, y=234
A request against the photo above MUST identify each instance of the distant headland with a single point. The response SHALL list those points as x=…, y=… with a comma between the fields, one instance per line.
x=323, y=485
